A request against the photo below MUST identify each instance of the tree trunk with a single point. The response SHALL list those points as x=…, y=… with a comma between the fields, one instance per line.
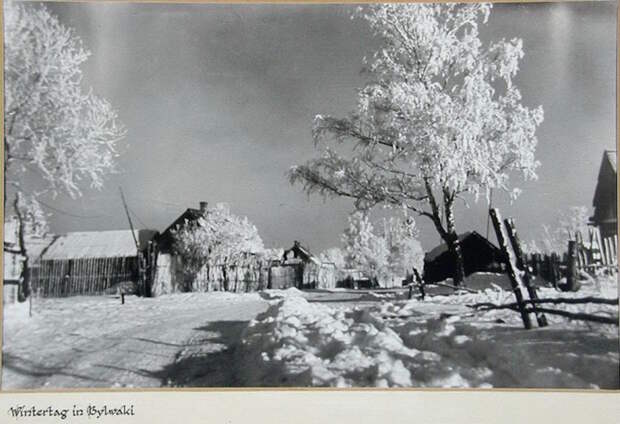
x=454, y=247
x=225, y=276
x=24, y=289
x=452, y=240
x=447, y=233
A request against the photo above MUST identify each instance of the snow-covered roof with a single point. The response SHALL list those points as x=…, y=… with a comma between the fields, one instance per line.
x=96, y=244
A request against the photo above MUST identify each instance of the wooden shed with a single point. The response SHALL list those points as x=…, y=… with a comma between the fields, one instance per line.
x=605, y=197
x=91, y=262
x=479, y=255
x=301, y=269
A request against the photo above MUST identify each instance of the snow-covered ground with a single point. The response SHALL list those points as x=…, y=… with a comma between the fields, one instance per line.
x=295, y=338
x=97, y=342
x=439, y=342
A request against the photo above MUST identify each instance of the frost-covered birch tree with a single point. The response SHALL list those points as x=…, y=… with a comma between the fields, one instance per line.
x=58, y=136
x=405, y=250
x=439, y=118
x=333, y=255
x=218, y=237
x=363, y=248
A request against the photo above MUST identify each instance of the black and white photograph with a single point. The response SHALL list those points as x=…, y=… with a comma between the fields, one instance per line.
x=389, y=195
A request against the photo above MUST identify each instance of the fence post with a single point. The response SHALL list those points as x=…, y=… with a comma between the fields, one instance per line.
x=509, y=260
x=571, y=268
x=420, y=282
x=521, y=264
x=553, y=274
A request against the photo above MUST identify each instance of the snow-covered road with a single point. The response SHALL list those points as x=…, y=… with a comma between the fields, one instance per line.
x=294, y=338
x=97, y=342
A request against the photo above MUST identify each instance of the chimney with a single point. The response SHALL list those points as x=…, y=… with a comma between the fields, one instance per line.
x=203, y=207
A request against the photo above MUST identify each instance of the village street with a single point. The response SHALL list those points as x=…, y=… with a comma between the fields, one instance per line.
x=222, y=339
x=182, y=339
x=97, y=342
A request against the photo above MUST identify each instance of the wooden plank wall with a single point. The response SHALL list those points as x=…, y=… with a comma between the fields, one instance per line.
x=88, y=276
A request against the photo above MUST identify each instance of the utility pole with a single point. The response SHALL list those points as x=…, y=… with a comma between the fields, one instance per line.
x=133, y=234
x=129, y=219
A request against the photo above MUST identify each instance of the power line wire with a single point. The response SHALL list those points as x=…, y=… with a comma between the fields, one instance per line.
x=138, y=218
x=72, y=214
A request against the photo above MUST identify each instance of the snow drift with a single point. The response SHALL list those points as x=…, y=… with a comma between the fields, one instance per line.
x=436, y=343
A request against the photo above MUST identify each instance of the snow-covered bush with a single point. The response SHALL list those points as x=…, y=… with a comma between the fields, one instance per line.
x=364, y=249
x=406, y=252
x=218, y=237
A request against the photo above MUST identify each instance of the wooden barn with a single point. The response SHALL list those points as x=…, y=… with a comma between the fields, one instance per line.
x=301, y=269
x=92, y=262
x=479, y=255
x=605, y=197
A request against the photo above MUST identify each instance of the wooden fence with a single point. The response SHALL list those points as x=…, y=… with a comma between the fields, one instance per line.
x=245, y=274
x=593, y=255
x=242, y=276
x=526, y=298
x=549, y=267
x=88, y=276
x=596, y=253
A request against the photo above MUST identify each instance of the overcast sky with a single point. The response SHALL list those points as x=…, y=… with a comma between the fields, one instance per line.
x=218, y=101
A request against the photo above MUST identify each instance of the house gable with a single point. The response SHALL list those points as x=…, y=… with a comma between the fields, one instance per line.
x=605, y=196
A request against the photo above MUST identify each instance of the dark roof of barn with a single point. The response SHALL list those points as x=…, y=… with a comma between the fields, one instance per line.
x=607, y=173
x=611, y=157
x=443, y=248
